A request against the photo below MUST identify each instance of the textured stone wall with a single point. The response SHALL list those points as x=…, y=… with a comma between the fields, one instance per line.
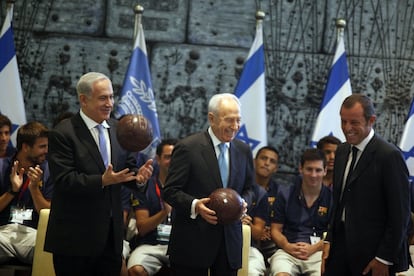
x=197, y=48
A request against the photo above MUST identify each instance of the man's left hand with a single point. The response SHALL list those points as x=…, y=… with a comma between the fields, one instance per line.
x=145, y=172
x=377, y=268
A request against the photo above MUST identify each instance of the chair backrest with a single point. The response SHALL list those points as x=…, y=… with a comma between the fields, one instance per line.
x=42, y=261
x=244, y=270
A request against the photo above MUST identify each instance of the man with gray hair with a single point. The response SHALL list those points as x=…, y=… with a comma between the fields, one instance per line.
x=87, y=164
x=200, y=164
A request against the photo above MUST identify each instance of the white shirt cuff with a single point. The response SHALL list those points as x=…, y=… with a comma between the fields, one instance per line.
x=383, y=261
x=193, y=211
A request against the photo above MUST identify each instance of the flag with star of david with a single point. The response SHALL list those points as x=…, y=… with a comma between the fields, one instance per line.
x=11, y=95
x=137, y=96
x=407, y=141
x=337, y=89
x=251, y=91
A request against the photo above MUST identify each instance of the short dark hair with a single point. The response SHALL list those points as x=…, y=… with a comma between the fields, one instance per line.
x=28, y=133
x=163, y=143
x=330, y=139
x=313, y=155
x=271, y=148
x=5, y=121
x=365, y=102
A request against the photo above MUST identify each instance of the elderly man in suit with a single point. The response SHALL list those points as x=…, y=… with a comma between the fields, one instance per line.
x=85, y=229
x=197, y=241
x=368, y=234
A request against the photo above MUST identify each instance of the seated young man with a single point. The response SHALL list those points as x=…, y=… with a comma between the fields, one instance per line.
x=302, y=214
x=6, y=148
x=153, y=218
x=328, y=145
x=25, y=189
x=256, y=218
x=266, y=164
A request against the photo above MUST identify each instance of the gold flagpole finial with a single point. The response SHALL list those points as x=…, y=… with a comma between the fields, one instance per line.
x=138, y=10
x=340, y=23
x=260, y=15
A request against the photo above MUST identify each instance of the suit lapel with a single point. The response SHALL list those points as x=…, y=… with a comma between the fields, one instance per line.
x=208, y=153
x=364, y=161
x=115, y=147
x=85, y=137
x=234, y=164
x=341, y=159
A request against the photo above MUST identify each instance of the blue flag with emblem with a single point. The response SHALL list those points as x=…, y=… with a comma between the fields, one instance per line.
x=137, y=96
x=251, y=91
x=407, y=141
x=11, y=96
x=337, y=89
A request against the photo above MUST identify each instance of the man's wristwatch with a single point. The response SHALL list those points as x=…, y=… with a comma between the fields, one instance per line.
x=13, y=193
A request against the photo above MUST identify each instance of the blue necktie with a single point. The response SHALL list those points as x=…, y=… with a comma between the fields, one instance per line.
x=102, y=145
x=224, y=171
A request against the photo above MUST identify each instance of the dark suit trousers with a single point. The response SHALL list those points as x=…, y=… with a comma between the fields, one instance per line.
x=220, y=266
x=107, y=264
x=338, y=263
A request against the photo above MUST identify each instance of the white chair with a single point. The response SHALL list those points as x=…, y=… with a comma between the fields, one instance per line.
x=42, y=261
x=244, y=270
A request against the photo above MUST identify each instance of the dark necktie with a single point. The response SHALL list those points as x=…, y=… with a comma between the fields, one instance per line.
x=354, y=153
x=351, y=167
x=224, y=170
x=102, y=145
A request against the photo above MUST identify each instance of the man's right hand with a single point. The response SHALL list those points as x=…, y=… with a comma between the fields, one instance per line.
x=16, y=177
x=206, y=213
x=110, y=177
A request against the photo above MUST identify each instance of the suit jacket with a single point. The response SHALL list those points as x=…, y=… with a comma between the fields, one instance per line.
x=376, y=201
x=81, y=210
x=193, y=174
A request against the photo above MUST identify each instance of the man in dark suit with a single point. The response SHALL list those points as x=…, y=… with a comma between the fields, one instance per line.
x=368, y=232
x=197, y=242
x=85, y=226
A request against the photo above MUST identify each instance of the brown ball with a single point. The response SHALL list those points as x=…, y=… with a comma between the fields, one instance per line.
x=228, y=205
x=134, y=132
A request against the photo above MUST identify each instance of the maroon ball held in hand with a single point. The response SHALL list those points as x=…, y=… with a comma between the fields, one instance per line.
x=227, y=204
x=134, y=132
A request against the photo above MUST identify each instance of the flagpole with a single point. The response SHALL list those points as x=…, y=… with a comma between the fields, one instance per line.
x=340, y=27
x=10, y=2
x=260, y=15
x=338, y=87
x=251, y=91
x=138, y=10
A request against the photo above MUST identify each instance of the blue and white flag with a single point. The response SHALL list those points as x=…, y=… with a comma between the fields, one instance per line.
x=337, y=89
x=407, y=141
x=137, y=96
x=251, y=91
x=11, y=96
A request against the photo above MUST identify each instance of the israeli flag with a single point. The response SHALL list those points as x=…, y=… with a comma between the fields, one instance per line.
x=137, y=96
x=252, y=95
x=337, y=89
x=407, y=142
x=11, y=96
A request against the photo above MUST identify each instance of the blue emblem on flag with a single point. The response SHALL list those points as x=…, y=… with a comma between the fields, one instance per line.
x=137, y=96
